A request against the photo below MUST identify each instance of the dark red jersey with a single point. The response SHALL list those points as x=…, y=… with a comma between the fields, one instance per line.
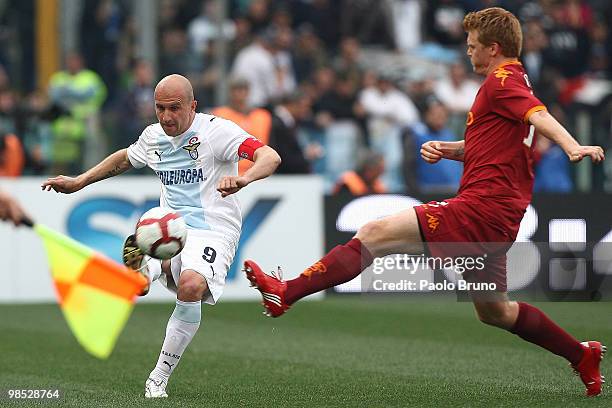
x=498, y=158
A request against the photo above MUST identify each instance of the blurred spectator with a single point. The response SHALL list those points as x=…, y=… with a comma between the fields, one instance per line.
x=322, y=15
x=601, y=50
x=325, y=46
x=338, y=103
x=444, y=22
x=242, y=37
x=284, y=136
x=137, y=106
x=577, y=13
x=340, y=115
x=205, y=81
x=420, y=87
x=12, y=157
x=370, y=21
x=128, y=49
x=281, y=17
x=36, y=130
x=204, y=28
x=101, y=29
x=81, y=93
x=365, y=179
x=348, y=62
x=442, y=176
x=534, y=44
x=323, y=81
x=175, y=56
x=258, y=15
x=552, y=168
x=407, y=24
x=256, y=122
x=172, y=14
x=257, y=63
x=18, y=30
x=457, y=92
x=388, y=111
x=9, y=112
x=308, y=55
x=4, y=79
x=283, y=43
x=568, y=50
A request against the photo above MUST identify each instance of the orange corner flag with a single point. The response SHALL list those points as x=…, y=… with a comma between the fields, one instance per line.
x=95, y=293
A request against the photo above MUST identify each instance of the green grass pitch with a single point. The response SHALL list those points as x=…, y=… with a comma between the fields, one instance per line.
x=342, y=352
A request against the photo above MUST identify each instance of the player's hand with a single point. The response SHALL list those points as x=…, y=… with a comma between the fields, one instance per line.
x=10, y=209
x=62, y=184
x=596, y=153
x=231, y=184
x=430, y=152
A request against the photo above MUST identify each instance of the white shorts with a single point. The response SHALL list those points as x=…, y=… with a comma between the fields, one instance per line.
x=210, y=254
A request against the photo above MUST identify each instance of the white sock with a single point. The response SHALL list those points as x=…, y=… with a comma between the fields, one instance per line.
x=182, y=326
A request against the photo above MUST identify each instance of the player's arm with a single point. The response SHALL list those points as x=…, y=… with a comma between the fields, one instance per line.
x=433, y=151
x=265, y=160
x=113, y=165
x=546, y=125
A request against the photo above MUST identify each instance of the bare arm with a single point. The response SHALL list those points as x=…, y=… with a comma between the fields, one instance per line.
x=547, y=126
x=433, y=151
x=113, y=165
x=265, y=159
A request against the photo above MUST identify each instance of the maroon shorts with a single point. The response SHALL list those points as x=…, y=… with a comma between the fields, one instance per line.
x=456, y=228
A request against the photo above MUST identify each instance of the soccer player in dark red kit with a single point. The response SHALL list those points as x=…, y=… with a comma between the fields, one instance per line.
x=484, y=218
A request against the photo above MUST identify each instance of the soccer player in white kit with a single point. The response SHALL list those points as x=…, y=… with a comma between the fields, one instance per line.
x=196, y=159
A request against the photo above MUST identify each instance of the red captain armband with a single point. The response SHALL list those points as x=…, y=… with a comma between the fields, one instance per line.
x=248, y=147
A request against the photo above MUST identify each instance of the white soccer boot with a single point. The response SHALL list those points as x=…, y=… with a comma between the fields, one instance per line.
x=155, y=388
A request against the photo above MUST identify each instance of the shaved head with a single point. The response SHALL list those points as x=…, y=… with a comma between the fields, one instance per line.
x=175, y=84
x=174, y=104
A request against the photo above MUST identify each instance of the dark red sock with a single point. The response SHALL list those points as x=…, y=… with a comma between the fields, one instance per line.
x=340, y=265
x=535, y=327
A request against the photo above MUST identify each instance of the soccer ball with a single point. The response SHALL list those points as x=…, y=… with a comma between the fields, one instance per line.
x=161, y=233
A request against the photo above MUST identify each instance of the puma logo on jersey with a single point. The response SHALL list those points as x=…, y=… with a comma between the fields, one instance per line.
x=158, y=154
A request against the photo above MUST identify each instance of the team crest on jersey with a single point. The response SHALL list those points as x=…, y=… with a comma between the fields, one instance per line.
x=192, y=147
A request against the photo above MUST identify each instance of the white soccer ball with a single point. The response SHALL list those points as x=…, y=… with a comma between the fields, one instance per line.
x=161, y=233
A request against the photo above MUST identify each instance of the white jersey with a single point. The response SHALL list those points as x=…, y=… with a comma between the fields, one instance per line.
x=190, y=167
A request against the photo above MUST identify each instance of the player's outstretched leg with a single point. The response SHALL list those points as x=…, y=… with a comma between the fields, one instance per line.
x=135, y=259
x=532, y=325
x=396, y=234
x=182, y=326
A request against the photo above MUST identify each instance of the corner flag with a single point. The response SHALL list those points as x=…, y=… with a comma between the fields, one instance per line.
x=95, y=293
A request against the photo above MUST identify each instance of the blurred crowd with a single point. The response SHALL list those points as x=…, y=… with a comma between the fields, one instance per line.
x=348, y=89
